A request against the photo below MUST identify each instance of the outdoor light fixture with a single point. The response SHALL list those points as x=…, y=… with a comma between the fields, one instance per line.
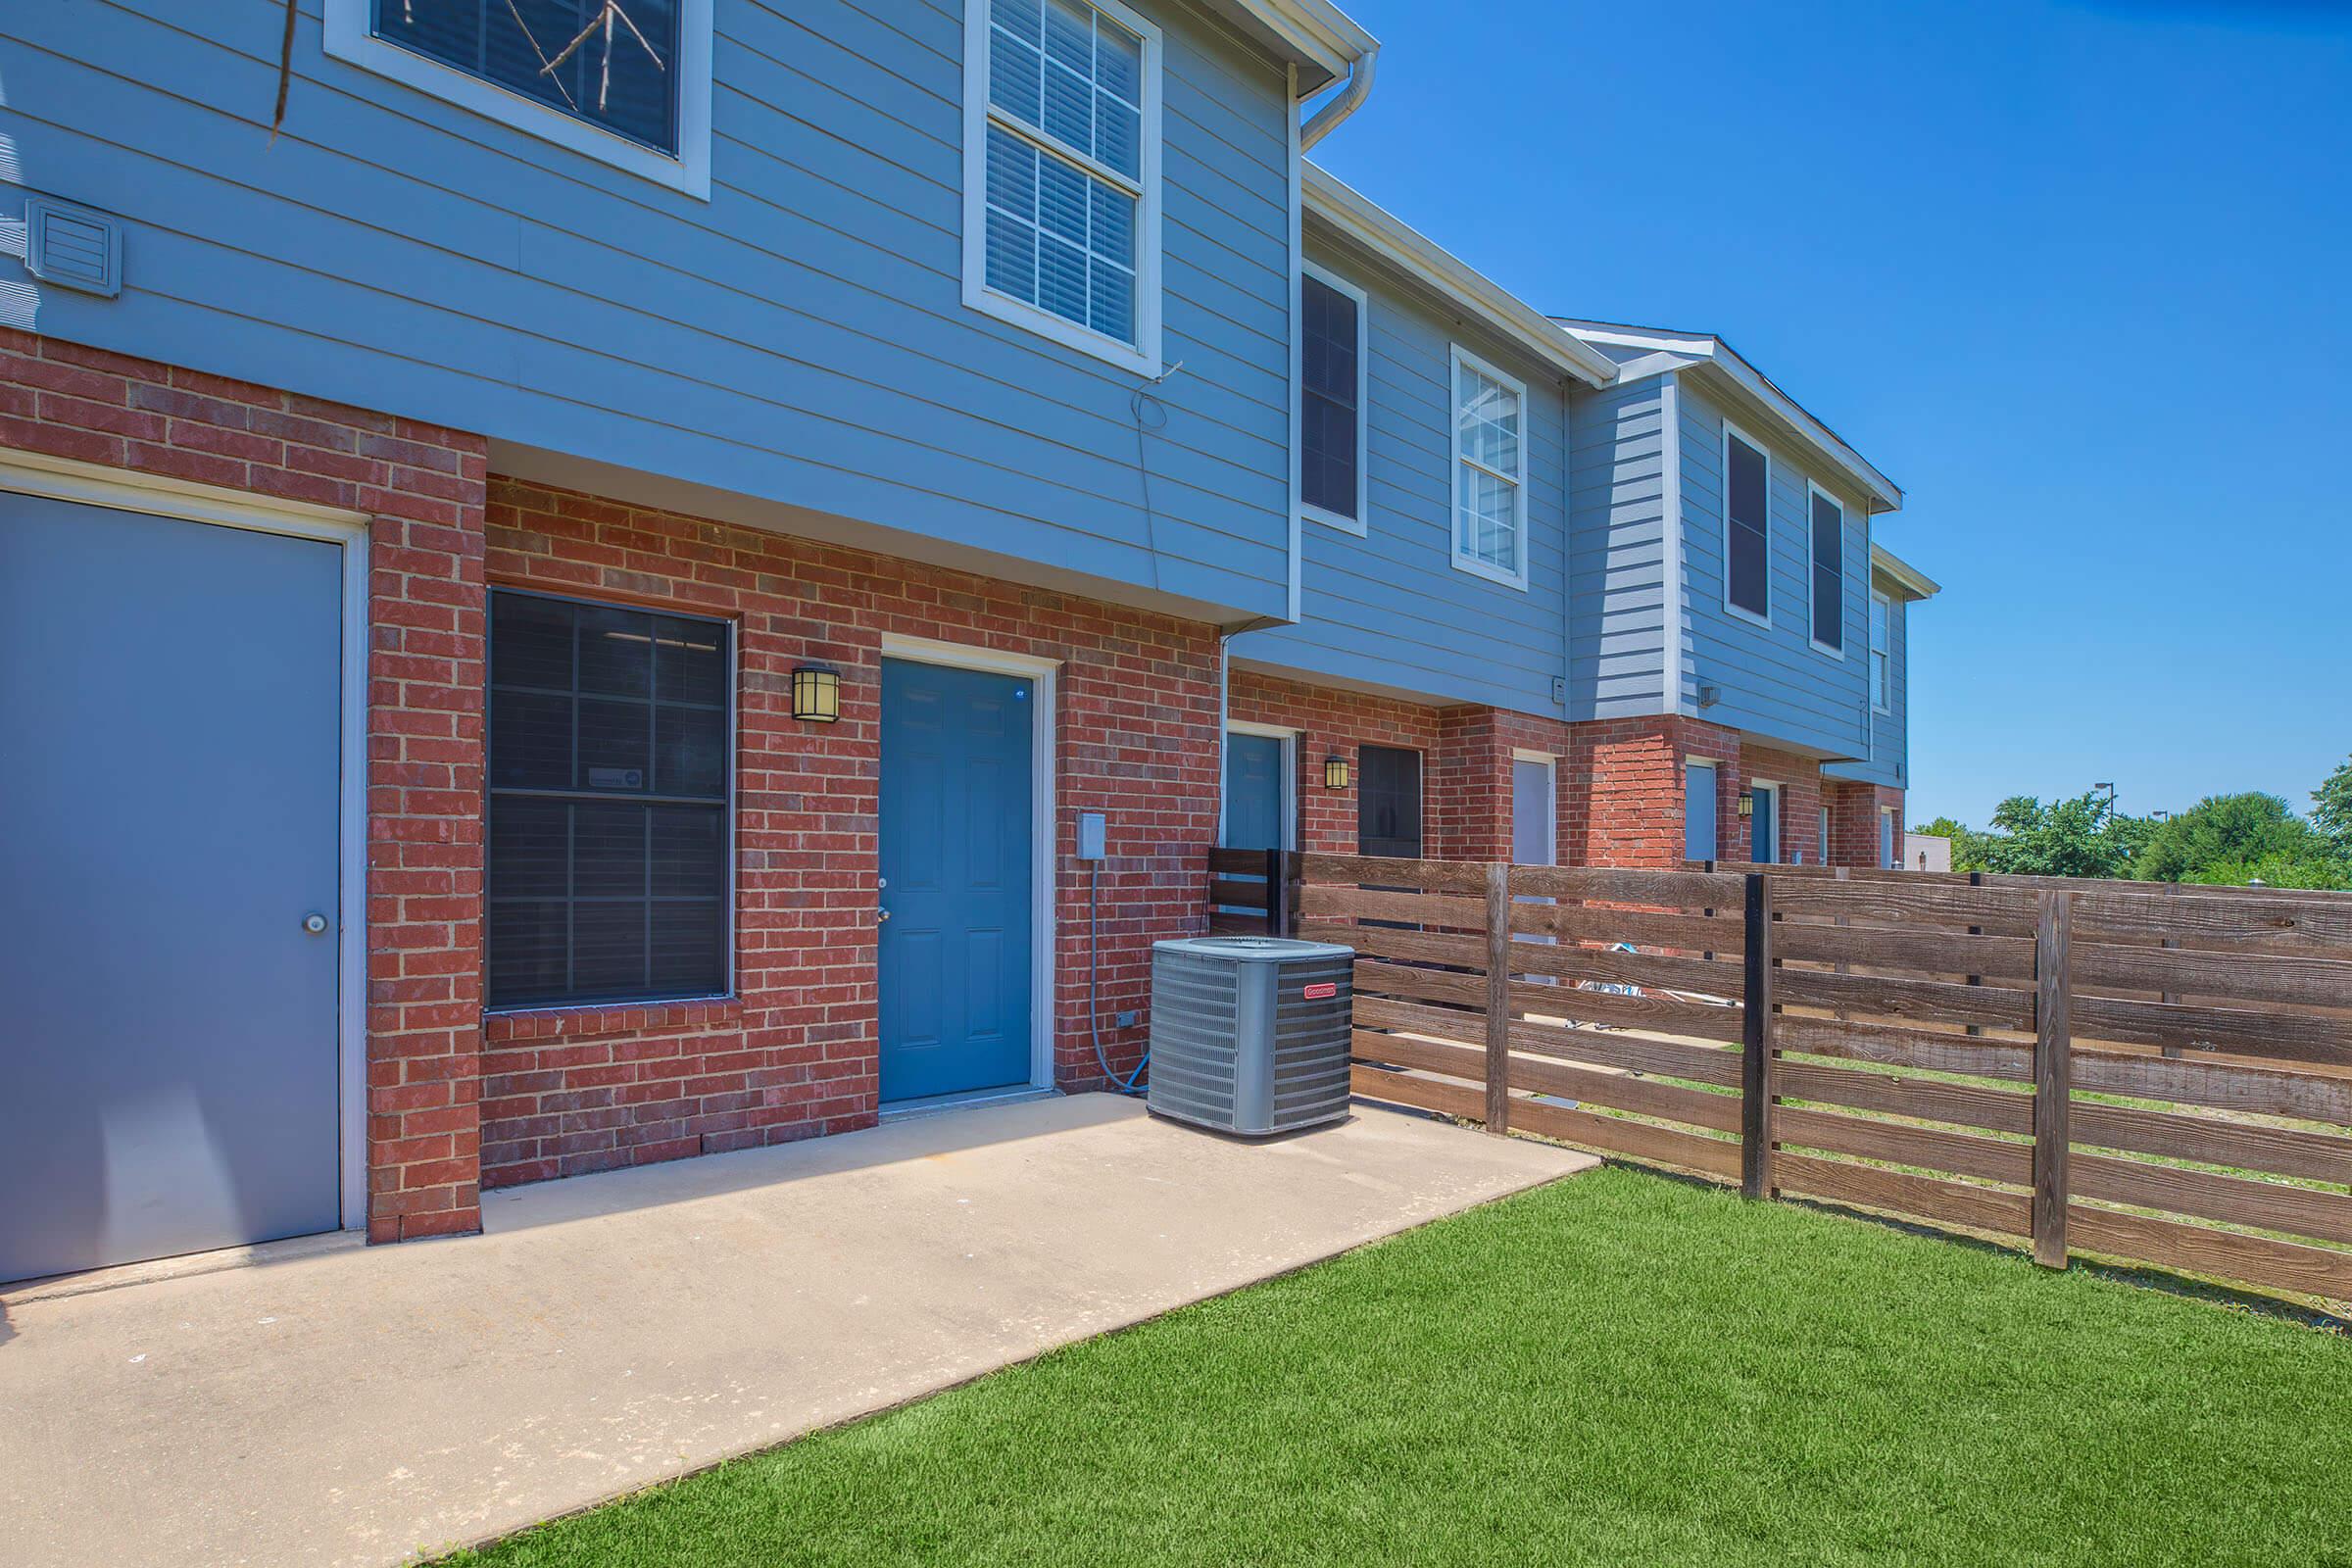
x=1747, y=802
x=816, y=693
x=1335, y=772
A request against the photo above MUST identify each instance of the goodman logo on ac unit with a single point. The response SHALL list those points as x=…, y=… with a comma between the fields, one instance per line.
x=1320, y=990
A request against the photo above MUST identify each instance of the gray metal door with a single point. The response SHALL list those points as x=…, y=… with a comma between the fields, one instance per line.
x=168, y=827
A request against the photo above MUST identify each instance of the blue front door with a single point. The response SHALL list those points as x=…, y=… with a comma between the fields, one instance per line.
x=1255, y=781
x=957, y=879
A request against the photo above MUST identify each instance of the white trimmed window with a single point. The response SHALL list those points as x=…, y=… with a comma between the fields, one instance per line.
x=627, y=83
x=1829, y=570
x=1490, y=471
x=1061, y=173
x=1334, y=382
x=1746, y=528
x=1882, y=614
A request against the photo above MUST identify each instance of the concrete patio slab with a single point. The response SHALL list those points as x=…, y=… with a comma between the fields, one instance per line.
x=364, y=1406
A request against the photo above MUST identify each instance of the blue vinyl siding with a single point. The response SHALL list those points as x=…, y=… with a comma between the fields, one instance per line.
x=797, y=339
x=1889, y=758
x=1389, y=608
x=1773, y=682
x=1617, y=559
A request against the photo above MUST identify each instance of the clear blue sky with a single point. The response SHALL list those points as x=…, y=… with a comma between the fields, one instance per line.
x=2079, y=277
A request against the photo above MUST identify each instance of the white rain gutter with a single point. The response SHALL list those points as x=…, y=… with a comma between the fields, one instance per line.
x=1347, y=101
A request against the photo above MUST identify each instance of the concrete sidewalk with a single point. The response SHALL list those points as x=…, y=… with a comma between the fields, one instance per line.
x=363, y=1405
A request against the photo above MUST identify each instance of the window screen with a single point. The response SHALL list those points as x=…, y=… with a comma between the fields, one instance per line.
x=1388, y=802
x=1829, y=572
x=1881, y=614
x=612, y=63
x=608, y=786
x=1747, y=534
x=1330, y=379
x=1065, y=161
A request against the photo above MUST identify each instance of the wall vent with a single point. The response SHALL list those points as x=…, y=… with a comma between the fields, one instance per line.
x=73, y=247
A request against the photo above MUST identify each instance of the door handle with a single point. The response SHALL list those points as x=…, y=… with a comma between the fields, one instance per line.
x=881, y=915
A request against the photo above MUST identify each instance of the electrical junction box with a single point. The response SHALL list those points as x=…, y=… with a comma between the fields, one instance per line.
x=1093, y=833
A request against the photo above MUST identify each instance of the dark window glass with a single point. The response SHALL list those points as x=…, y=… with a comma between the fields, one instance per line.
x=1328, y=372
x=1829, y=573
x=1388, y=802
x=608, y=822
x=612, y=63
x=1747, y=571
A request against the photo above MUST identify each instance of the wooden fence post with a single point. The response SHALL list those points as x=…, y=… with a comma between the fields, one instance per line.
x=1278, y=893
x=2053, y=1049
x=1755, y=1078
x=1498, y=998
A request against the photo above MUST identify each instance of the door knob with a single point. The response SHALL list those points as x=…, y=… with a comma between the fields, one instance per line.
x=881, y=915
x=314, y=923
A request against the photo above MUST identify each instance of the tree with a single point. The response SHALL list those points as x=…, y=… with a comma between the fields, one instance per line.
x=2222, y=832
x=2081, y=836
x=2326, y=872
x=2332, y=811
x=1968, y=845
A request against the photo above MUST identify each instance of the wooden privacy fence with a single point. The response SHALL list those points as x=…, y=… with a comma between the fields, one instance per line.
x=2154, y=1076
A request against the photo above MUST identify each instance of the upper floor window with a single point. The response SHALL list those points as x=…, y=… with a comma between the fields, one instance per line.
x=1490, y=471
x=1829, y=572
x=1331, y=407
x=1881, y=614
x=1747, y=528
x=609, y=768
x=1061, y=173
x=626, y=82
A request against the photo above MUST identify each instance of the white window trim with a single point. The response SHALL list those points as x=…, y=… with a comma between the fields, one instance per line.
x=1724, y=454
x=1142, y=356
x=1359, y=524
x=1289, y=771
x=1835, y=650
x=1886, y=706
x=1463, y=359
x=1780, y=823
x=348, y=38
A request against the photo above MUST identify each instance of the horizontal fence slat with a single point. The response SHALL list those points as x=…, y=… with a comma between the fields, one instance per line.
x=1661, y=1014
x=1374, y=903
x=2000, y=1110
x=2316, y=925
x=2271, y=978
x=2200, y=1249
x=2222, y=1086
x=1411, y=946
x=1643, y=1096
x=1637, y=1139
x=1719, y=978
x=1962, y=1153
x=1937, y=953
x=2208, y=1194
x=1901, y=1046
x=2233, y=1031
x=1907, y=903
x=1644, y=928
x=1440, y=876
x=2275, y=1151
x=1927, y=1001
x=1681, y=890
x=1248, y=895
x=1672, y=1058
x=1898, y=1192
x=1445, y=1097
x=1237, y=862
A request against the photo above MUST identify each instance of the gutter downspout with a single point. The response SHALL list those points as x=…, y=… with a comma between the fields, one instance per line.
x=1347, y=101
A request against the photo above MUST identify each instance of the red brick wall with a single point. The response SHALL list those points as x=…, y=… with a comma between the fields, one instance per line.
x=581, y=1089
x=1334, y=722
x=422, y=485
x=1625, y=793
x=1854, y=821
x=1800, y=800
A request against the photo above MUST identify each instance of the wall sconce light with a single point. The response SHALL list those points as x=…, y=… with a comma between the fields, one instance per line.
x=1747, y=802
x=1335, y=772
x=816, y=694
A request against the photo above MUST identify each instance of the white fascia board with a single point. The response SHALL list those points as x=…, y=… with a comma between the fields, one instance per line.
x=1669, y=350
x=1406, y=249
x=1314, y=34
x=1884, y=563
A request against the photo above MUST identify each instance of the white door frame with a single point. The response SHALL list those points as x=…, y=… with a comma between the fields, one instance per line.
x=1045, y=793
x=126, y=490
x=1290, y=772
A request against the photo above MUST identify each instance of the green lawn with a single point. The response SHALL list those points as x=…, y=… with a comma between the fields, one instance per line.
x=1620, y=1369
